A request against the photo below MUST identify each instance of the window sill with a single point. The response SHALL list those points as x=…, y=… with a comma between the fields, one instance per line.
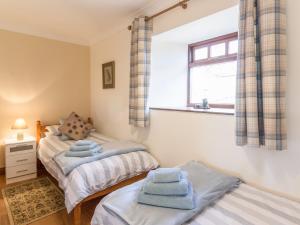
x=191, y=109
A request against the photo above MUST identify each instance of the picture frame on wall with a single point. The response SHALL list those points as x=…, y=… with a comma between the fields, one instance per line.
x=108, y=75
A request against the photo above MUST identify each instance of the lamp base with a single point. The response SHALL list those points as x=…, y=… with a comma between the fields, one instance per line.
x=20, y=136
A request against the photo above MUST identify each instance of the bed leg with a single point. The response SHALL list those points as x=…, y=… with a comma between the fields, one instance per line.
x=77, y=215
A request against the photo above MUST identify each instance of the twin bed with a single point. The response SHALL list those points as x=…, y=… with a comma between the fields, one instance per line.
x=95, y=179
x=244, y=205
x=219, y=199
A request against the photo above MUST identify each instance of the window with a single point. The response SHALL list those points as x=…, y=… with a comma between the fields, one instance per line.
x=212, y=71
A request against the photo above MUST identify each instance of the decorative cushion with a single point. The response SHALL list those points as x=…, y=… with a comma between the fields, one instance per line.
x=75, y=127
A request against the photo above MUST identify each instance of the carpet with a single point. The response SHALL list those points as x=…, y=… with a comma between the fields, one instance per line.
x=32, y=200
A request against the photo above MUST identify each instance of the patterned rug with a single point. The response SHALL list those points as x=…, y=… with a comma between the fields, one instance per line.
x=32, y=200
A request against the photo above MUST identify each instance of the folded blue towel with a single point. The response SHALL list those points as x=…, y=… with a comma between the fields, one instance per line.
x=172, y=188
x=166, y=175
x=83, y=147
x=176, y=202
x=92, y=152
x=84, y=142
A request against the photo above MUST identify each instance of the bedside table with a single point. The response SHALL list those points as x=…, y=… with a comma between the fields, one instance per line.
x=20, y=159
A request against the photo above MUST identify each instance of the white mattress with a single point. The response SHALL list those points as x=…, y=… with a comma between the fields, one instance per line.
x=90, y=178
x=245, y=205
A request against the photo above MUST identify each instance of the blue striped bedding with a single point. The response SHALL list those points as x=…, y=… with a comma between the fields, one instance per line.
x=92, y=177
x=246, y=205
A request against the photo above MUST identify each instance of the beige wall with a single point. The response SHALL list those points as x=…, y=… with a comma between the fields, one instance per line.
x=175, y=137
x=164, y=56
x=41, y=79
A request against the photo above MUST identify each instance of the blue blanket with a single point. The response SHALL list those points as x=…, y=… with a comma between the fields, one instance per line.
x=67, y=164
x=209, y=185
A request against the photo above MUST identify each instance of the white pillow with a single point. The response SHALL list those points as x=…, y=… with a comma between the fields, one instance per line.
x=52, y=130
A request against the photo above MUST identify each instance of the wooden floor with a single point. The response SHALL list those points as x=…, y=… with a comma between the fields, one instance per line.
x=59, y=218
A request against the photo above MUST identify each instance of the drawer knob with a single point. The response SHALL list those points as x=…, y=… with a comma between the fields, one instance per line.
x=22, y=160
x=21, y=171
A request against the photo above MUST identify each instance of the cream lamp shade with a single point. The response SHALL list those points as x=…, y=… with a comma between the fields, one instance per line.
x=20, y=124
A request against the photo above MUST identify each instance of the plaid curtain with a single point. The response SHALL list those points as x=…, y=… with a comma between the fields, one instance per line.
x=261, y=78
x=141, y=32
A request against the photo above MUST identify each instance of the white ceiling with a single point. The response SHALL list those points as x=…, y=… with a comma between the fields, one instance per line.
x=77, y=21
x=223, y=22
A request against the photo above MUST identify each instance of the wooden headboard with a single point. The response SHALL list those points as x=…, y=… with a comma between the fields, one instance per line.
x=41, y=129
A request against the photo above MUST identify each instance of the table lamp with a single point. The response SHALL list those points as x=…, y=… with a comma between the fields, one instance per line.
x=20, y=125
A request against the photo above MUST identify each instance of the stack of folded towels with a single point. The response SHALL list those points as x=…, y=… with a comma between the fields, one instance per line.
x=167, y=187
x=83, y=148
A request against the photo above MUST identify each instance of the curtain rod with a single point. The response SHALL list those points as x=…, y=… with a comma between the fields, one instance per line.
x=182, y=3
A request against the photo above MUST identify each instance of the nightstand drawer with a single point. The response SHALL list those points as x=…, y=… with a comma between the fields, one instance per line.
x=21, y=170
x=20, y=159
x=15, y=149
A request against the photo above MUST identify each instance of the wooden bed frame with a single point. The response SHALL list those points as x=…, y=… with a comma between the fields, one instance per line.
x=40, y=133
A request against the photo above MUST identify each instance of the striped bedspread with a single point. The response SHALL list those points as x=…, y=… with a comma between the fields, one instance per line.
x=245, y=205
x=90, y=178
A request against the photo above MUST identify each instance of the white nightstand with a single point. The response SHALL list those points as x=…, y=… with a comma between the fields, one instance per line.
x=20, y=159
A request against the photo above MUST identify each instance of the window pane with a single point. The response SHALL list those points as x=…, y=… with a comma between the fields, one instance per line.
x=201, y=53
x=217, y=50
x=233, y=47
x=216, y=82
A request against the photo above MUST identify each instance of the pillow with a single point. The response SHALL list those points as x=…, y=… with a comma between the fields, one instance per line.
x=75, y=127
x=61, y=121
x=64, y=137
x=91, y=127
x=52, y=130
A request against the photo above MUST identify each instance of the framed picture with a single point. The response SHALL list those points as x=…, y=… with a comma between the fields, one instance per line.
x=108, y=75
